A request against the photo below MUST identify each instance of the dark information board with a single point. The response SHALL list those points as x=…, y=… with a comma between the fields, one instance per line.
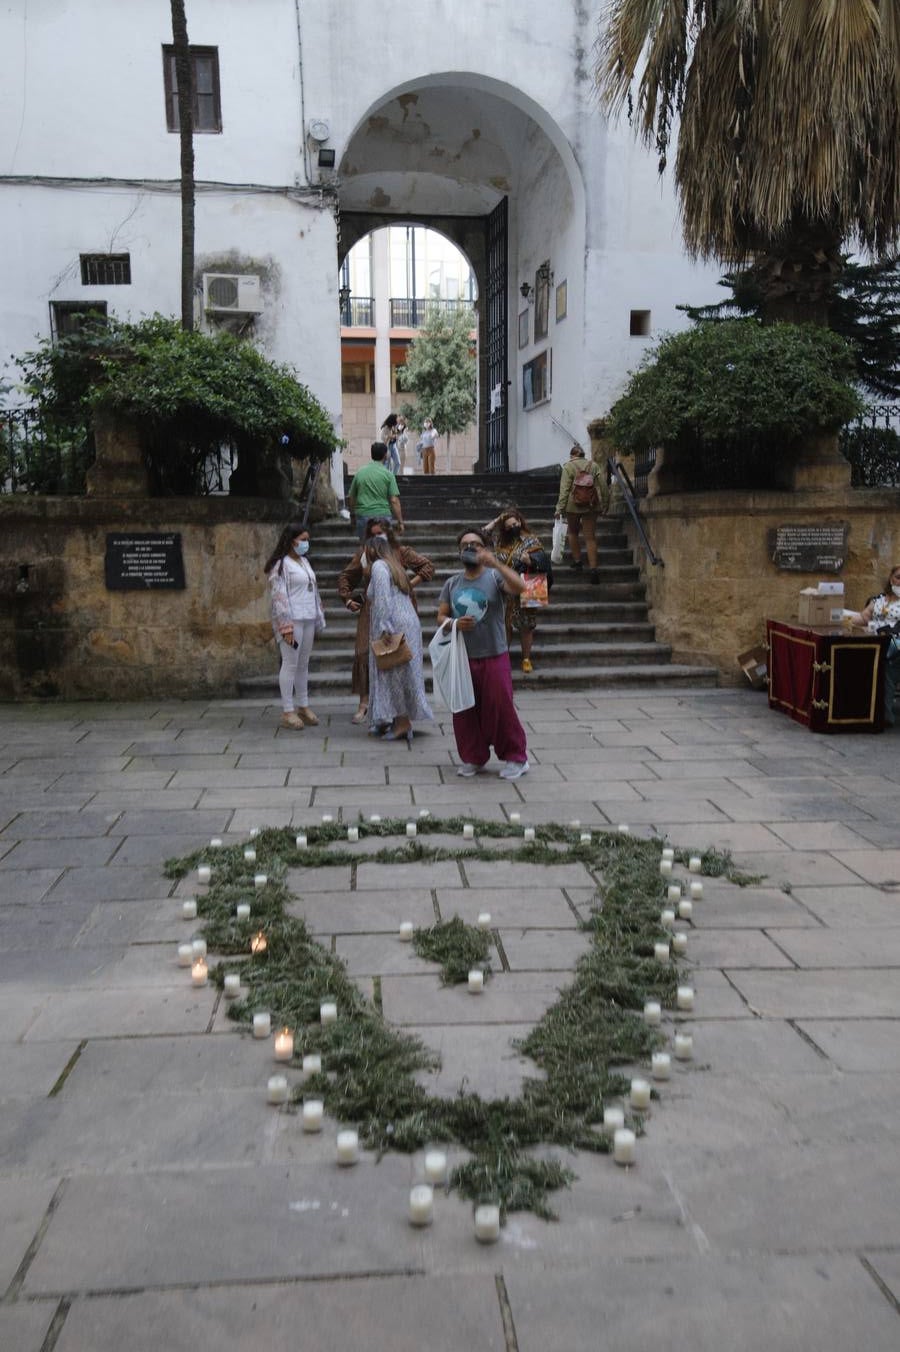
x=810, y=548
x=142, y=562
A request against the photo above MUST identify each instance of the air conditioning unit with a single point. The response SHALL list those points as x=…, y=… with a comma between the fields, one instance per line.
x=231, y=293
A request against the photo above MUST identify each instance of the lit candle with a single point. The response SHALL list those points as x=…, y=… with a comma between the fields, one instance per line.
x=528, y=833
x=679, y=944
x=353, y=834
x=277, y=1089
x=484, y=920
x=254, y=832
x=312, y=1064
x=624, y=1146
x=423, y=812
x=476, y=981
x=313, y=1112
x=624, y=829
x=411, y=829
x=199, y=972
x=262, y=1025
x=300, y=841
x=375, y=819
x=468, y=831
x=284, y=1045
x=435, y=1167
x=697, y=891
x=684, y=1047
x=406, y=931
x=695, y=863
x=684, y=997
x=242, y=911
x=685, y=908
x=667, y=919
x=585, y=837
x=668, y=852
x=348, y=1147
x=259, y=943
x=232, y=985
x=673, y=893
x=216, y=843
x=328, y=1012
x=665, y=867
x=661, y=952
x=327, y=818
x=249, y=855
x=652, y=1013
x=661, y=1065
x=189, y=909
x=421, y=1204
x=185, y=955
x=260, y=880
x=198, y=948
x=613, y=1118
x=487, y=1223
x=204, y=874
x=515, y=817
x=640, y=1094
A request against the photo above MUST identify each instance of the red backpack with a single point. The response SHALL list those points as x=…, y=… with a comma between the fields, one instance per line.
x=584, y=490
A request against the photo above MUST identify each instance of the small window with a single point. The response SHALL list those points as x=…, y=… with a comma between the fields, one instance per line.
x=106, y=269
x=536, y=378
x=357, y=377
x=70, y=316
x=639, y=326
x=205, y=73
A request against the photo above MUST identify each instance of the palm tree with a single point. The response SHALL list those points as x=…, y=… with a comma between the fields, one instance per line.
x=789, y=135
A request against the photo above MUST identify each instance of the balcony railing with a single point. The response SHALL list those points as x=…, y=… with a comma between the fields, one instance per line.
x=358, y=312
x=410, y=312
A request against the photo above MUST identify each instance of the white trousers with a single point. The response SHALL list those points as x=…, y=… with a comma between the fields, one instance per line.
x=294, y=673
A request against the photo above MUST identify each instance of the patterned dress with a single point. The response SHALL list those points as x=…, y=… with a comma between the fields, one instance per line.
x=399, y=693
x=518, y=618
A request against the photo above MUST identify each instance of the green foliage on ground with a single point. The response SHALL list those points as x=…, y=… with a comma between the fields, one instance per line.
x=373, y=1075
x=456, y=947
x=738, y=381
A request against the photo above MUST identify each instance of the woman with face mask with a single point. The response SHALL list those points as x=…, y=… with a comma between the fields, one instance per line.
x=884, y=611
x=514, y=545
x=396, y=697
x=297, y=616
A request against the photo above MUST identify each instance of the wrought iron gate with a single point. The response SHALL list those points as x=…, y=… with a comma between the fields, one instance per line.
x=497, y=306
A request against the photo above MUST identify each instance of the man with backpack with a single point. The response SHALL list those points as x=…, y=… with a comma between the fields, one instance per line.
x=583, y=493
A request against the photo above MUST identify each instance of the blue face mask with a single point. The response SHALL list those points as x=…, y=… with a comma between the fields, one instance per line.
x=301, y=547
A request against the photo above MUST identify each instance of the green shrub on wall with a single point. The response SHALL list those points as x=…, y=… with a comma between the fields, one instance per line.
x=190, y=393
x=738, y=382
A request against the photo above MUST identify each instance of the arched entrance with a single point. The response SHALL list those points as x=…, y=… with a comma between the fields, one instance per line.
x=481, y=162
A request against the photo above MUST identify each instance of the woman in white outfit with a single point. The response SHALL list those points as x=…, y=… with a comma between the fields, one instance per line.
x=297, y=616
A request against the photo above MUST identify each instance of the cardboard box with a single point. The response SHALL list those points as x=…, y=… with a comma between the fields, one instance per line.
x=754, y=663
x=817, y=610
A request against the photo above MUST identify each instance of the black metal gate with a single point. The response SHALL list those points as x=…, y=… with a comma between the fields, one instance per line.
x=497, y=305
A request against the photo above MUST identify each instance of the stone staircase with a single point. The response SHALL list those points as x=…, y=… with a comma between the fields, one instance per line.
x=589, y=637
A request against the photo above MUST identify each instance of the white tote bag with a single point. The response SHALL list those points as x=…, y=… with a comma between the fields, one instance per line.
x=559, y=542
x=450, y=665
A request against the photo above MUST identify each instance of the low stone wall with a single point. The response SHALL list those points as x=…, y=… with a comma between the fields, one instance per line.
x=62, y=633
x=718, y=585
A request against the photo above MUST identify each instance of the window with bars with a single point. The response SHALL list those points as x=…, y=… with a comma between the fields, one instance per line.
x=205, y=75
x=70, y=316
x=106, y=269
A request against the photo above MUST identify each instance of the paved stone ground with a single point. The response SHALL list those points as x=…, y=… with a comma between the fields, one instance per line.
x=150, y=1200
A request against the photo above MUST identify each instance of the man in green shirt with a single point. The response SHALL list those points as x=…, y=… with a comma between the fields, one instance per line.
x=374, y=492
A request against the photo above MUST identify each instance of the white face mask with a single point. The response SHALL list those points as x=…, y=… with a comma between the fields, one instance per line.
x=895, y=589
x=301, y=547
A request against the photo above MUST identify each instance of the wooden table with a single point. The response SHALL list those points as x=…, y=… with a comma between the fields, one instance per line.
x=830, y=679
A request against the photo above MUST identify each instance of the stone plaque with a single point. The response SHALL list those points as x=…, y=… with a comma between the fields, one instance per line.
x=810, y=548
x=142, y=562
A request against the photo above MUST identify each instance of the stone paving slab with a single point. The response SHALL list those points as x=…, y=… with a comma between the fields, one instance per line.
x=783, y=1304
x=529, y=877
x=122, y=1013
x=799, y=868
x=543, y=907
x=872, y=866
x=440, y=873
x=724, y=906
x=382, y=954
x=843, y=947
x=23, y=1328
x=734, y=949
x=21, y=887
x=71, y=852
x=100, y=884
x=845, y=906
x=811, y=995
x=757, y=1048
x=364, y=912
x=36, y=824
x=445, y=1313
x=545, y=950
x=483, y=1060
x=508, y=997
x=32, y=1068
x=871, y=1046
x=23, y=1205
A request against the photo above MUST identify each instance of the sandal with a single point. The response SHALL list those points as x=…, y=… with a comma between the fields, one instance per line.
x=360, y=716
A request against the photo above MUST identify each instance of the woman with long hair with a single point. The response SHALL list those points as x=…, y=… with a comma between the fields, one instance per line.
x=297, y=616
x=352, y=586
x=396, y=697
x=515, y=545
x=883, y=612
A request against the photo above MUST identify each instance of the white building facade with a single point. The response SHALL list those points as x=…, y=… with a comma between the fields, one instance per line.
x=320, y=120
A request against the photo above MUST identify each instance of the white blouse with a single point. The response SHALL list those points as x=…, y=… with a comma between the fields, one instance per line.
x=297, y=588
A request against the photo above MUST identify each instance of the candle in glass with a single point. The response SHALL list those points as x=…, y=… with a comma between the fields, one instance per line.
x=327, y=818
x=199, y=972
x=347, y=1147
x=249, y=855
x=652, y=1013
x=204, y=874
x=484, y=920
x=232, y=985
x=435, y=1167
x=260, y=880
x=679, y=944
x=284, y=1045
x=411, y=830
x=684, y=1047
x=254, y=832
x=313, y=1112
x=685, y=909
x=528, y=833
x=352, y=834
x=300, y=841
x=421, y=1204
x=697, y=891
x=487, y=1223
x=259, y=943
x=661, y=1065
x=423, y=813
x=277, y=1089
x=668, y=852
x=375, y=819
x=585, y=837
x=640, y=1094
x=406, y=931
x=328, y=1012
x=262, y=1024
x=312, y=1064
x=613, y=1118
x=515, y=817
x=242, y=910
x=189, y=909
x=216, y=843
x=468, y=831
x=575, y=823
x=667, y=919
x=684, y=997
x=673, y=893
x=624, y=1146
x=476, y=981
x=185, y=955
x=661, y=952
x=624, y=829
x=695, y=863
x=665, y=867
x=198, y=947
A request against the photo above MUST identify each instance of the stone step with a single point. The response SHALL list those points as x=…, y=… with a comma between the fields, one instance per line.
x=341, y=633
x=548, y=678
x=339, y=657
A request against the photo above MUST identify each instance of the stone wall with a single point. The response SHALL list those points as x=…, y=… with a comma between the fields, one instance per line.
x=62, y=633
x=718, y=584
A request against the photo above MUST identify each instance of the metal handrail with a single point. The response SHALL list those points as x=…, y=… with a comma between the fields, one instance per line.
x=620, y=474
x=309, y=487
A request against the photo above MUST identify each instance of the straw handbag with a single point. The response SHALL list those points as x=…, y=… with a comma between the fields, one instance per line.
x=390, y=651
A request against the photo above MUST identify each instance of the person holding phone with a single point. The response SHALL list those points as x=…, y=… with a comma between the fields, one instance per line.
x=297, y=616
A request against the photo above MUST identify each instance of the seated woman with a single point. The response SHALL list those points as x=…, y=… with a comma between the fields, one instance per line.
x=884, y=610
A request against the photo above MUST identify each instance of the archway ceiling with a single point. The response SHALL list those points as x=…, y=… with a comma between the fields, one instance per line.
x=441, y=149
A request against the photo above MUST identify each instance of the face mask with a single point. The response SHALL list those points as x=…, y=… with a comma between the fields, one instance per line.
x=301, y=548
x=469, y=555
x=511, y=525
x=895, y=589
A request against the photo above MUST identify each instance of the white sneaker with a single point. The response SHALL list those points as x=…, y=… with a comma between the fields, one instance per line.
x=467, y=771
x=514, y=769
